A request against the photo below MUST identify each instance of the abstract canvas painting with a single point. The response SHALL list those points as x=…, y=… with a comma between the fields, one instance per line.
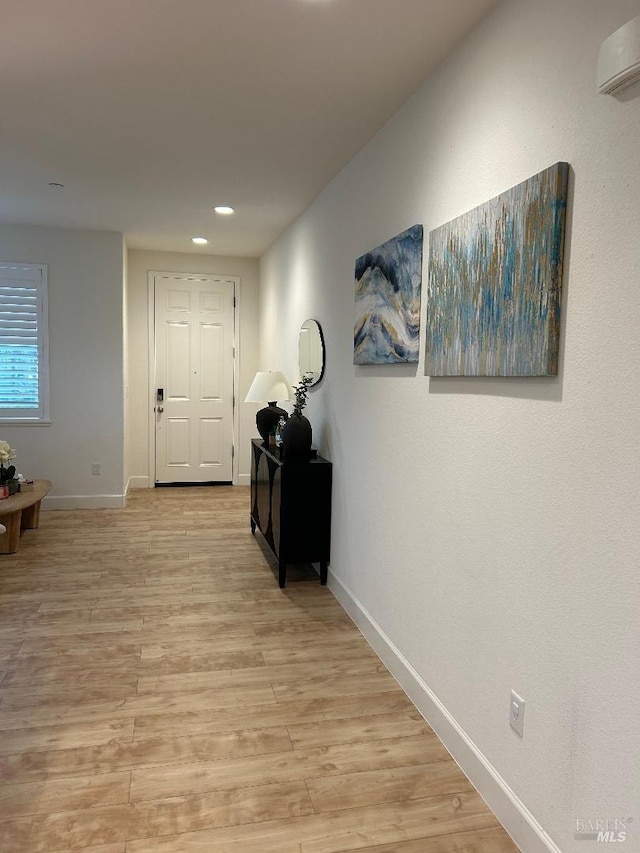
x=388, y=289
x=495, y=279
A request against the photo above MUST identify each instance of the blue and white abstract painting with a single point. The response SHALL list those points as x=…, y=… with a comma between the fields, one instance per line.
x=495, y=280
x=388, y=289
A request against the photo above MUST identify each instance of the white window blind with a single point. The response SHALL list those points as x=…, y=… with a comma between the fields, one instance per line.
x=23, y=342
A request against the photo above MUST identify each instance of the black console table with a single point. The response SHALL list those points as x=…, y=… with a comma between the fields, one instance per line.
x=291, y=507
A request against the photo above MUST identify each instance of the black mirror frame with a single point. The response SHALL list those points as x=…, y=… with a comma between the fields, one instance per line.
x=322, y=350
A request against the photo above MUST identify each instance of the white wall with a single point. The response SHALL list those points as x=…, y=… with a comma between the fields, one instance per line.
x=487, y=531
x=140, y=263
x=85, y=349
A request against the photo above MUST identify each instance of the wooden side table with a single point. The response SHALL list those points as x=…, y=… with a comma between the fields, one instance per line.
x=21, y=512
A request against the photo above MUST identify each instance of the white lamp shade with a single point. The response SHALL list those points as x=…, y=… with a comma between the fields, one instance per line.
x=269, y=386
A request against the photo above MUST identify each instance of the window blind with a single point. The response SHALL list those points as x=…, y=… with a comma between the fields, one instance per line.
x=22, y=341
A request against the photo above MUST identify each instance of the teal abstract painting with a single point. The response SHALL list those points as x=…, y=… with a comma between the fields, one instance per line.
x=388, y=291
x=495, y=281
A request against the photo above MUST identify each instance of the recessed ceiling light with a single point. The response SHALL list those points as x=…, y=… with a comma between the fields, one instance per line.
x=199, y=241
x=223, y=209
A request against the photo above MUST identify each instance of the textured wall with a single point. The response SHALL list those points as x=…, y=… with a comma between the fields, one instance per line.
x=490, y=526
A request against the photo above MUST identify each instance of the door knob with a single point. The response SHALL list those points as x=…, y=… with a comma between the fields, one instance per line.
x=160, y=409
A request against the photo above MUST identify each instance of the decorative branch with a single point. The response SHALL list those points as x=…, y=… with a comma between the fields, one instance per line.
x=301, y=392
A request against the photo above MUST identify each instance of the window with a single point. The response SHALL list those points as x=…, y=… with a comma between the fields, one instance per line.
x=24, y=356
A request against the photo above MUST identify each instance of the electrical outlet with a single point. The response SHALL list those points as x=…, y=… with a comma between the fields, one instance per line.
x=96, y=469
x=516, y=713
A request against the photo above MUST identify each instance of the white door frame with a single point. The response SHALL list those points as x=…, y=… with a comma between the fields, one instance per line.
x=235, y=280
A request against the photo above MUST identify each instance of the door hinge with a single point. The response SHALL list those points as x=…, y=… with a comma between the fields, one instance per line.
x=233, y=451
x=234, y=302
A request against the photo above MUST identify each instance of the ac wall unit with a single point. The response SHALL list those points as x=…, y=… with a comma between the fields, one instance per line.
x=619, y=60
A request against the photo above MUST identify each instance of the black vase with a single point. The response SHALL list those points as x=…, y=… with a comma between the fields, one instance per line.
x=296, y=438
x=267, y=419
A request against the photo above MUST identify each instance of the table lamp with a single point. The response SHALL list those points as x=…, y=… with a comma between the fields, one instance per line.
x=269, y=386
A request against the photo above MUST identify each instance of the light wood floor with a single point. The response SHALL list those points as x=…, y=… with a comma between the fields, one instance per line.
x=160, y=694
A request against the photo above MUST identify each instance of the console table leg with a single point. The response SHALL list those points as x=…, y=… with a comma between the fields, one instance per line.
x=10, y=540
x=31, y=517
x=253, y=526
x=282, y=574
x=323, y=573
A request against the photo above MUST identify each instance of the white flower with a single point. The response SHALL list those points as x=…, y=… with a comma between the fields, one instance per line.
x=7, y=453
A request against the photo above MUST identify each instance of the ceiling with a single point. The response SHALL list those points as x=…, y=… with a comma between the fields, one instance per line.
x=152, y=111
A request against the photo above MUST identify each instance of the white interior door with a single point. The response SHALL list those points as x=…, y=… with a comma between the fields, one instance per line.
x=194, y=354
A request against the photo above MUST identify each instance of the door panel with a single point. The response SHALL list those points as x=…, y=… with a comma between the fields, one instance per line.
x=194, y=331
x=177, y=442
x=212, y=362
x=211, y=441
x=177, y=362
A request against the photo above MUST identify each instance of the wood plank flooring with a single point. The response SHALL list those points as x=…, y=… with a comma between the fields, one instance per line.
x=160, y=694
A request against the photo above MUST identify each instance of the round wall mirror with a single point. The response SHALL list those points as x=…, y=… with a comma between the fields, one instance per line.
x=311, y=351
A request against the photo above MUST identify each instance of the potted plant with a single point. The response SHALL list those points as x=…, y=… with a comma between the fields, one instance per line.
x=297, y=433
x=8, y=480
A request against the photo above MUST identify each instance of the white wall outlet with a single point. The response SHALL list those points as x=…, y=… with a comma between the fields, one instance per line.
x=96, y=469
x=516, y=713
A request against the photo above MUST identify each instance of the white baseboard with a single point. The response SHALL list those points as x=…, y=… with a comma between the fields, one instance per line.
x=517, y=820
x=106, y=501
x=142, y=482
x=84, y=502
x=244, y=480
